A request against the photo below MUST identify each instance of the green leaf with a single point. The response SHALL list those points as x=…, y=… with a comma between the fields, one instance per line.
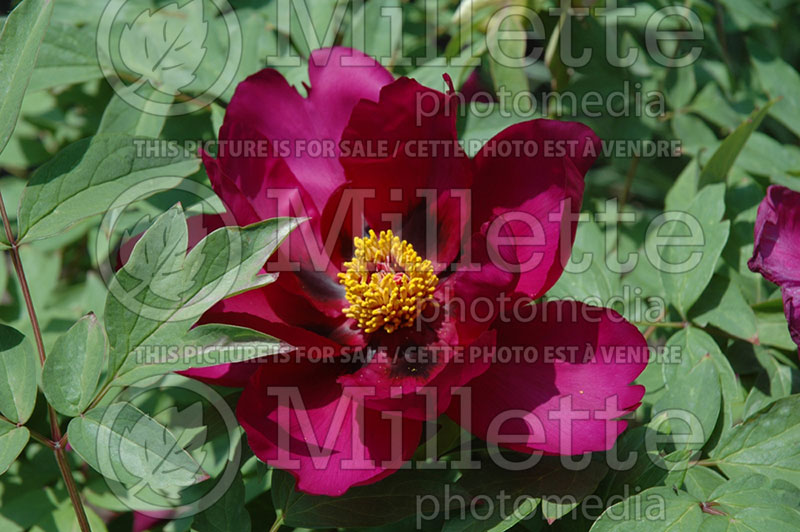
x=746, y=13
x=548, y=483
x=226, y=515
x=765, y=443
x=372, y=30
x=483, y=122
x=314, y=24
x=684, y=189
x=18, y=372
x=746, y=503
x=63, y=519
x=712, y=105
x=506, y=63
x=12, y=441
x=681, y=86
x=68, y=56
x=781, y=81
x=774, y=382
x=686, y=247
x=717, y=168
x=773, y=330
x=651, y=467
x=595, y=279
x=204, y=346
x=701, y=481
x=673, y=511
x=387, y=501
x=20, y=39
x=692, y=387
x=148, y=286
x=753, y=502
x=160, y=292
x=124, y=444
x=122, y=117
x=72, y=369
x=723, y=306
x=732, y=393
x=86, y=178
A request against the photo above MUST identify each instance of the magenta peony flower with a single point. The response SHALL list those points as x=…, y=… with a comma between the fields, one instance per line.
x=777, y=254
x=409, y=291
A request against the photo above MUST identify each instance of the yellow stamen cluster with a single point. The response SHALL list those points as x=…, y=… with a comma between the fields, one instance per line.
x=387, y=284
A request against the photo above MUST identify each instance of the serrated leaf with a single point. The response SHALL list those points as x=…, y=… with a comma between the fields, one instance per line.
x=765, y=443
x=166, y=46
x=126, y=445
x=691, y=243
x=72, y=369
x=12, y=441
x=18, y=375
x=20, y=39
x=86, y=178
x=160, y=292
x=717, y=168
x=228, y=514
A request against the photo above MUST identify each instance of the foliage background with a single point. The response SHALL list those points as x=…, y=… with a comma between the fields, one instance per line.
x=736, y=113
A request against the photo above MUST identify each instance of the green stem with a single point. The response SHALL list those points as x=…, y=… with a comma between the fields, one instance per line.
x=626, y=193
x=55, y=430
x=277, y=524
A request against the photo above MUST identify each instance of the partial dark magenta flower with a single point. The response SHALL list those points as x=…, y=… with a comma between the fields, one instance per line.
x=412, y=280
x=776, y=255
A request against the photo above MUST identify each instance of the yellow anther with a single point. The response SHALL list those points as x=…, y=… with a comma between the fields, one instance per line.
x=387, y=284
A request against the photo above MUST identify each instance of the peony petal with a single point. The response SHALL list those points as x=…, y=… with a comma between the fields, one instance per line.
x=296, y=418
x=777, y=237
x=477, y=290
x=531, y=175
x=570, y=360
x=275, y=111
x=404, y=153
x=776, y=253
x=248, y=310
x=791, y=306
x=416, y=373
